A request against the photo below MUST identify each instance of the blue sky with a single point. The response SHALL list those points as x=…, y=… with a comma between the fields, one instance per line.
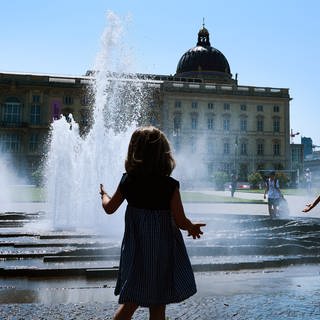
x=272, y=43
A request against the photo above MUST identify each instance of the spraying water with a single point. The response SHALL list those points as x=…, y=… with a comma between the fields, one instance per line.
x=76, y=165
x=8, y=182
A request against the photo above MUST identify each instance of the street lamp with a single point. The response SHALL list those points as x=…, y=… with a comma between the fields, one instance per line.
x=293, y=134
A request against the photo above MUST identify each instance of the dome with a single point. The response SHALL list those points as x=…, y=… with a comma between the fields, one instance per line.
x=204, y=61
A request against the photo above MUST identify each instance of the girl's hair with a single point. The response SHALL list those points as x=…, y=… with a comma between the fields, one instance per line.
x=149, y=153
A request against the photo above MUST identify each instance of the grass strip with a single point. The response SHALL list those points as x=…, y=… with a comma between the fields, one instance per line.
x=203, y=197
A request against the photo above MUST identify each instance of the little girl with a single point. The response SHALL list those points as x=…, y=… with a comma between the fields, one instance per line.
x=154, y=269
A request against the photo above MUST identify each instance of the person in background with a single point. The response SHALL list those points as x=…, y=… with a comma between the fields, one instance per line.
x=155, y=269
x=308, y=178
x=233, y=183
x=311, y=205
x=274, y=194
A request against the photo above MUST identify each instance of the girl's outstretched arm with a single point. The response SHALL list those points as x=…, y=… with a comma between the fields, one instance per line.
x=110, y=204
x=311, y=205
x=194, y=229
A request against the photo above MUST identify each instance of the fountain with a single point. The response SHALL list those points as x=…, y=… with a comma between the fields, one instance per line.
x=8, y=178
x=76, y=165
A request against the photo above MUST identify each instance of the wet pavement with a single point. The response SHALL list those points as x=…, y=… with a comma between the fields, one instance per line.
x=291, y=292
x=285, y=293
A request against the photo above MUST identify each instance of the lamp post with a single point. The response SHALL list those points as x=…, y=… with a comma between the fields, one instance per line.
x=293, y=134
x=235, y=167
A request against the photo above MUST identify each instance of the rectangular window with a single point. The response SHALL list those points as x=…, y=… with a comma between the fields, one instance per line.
x=243, y=107
x=226, y=124
x=194, y=123
x=209, y=146
x=210, y=105
x=243, y=148
x=260, y=108
x=260, y=125
x=194, y=104
x=68, y=100
x=210, y=123
x=276, y=125
x=276, y=149
x=177, y=104
x=10, y=142
x=34, y=142
x=226, y=106
x=177, y=125
x=226, y=148
x=35, y=99
x=35, y=114
x=260, y=149
x=243, y=125
x=12, y=112
x=84, y=100
x=276, y=108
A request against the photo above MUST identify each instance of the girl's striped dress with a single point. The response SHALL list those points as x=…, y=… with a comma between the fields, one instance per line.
x=154, y=264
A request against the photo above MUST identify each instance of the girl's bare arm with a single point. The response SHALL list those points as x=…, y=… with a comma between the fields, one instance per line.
x=111, y=204
x=311, y=205
x=180, y=218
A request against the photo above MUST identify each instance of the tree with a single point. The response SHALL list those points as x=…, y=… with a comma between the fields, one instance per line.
x=255, y=180
x=283, y=179
x=219, y=179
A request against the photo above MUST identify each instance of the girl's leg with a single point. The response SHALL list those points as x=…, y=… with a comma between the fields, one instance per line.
x=125, y=311
x=157, y=312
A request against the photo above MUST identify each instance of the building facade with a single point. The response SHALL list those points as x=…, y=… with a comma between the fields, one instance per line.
x=220, y=124
x=28, y=105
x=212, y=122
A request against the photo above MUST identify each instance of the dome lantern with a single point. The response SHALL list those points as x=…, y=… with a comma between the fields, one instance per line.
x=203, y=38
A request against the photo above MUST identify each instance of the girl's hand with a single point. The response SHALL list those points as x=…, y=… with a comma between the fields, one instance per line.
x=308, y=207
x=102, y=191
x=194, y=231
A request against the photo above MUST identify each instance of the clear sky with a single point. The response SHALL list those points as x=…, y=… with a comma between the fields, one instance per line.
x=272, y=43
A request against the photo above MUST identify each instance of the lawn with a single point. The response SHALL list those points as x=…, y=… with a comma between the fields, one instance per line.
x=25, y=193
x=37, y=194
x=290, y=192
x=202, y=197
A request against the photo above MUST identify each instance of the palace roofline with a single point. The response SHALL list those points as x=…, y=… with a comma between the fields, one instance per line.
x=170, y=80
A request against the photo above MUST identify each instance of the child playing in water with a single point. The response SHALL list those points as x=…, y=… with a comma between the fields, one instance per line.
x=274, y=195
x=311, y=205
x=154, y=269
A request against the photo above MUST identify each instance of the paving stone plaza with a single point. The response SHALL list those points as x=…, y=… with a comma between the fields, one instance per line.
x=254, y=280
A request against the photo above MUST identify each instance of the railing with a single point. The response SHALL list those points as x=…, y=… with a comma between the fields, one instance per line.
x=230, y=89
